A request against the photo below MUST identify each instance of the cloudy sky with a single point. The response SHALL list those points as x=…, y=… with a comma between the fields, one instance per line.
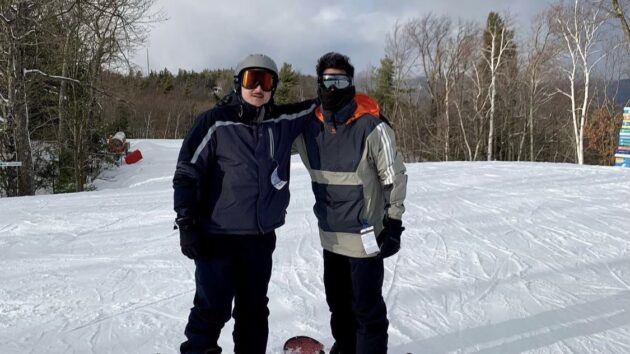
x=204, y=34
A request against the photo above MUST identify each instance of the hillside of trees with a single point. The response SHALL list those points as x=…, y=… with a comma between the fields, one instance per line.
x=453, y=90
x=164, y=105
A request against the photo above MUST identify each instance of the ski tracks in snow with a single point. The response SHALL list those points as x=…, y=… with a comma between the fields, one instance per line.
x=519, y=247
x=496, y=258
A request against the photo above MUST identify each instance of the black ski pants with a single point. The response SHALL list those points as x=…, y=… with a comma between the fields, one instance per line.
x=234, y=267
x=358, y=318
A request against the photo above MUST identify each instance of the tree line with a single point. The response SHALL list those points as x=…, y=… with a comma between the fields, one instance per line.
x=452, y=89
x=551, y=93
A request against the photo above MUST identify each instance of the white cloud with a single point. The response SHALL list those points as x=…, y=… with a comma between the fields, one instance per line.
x=217, y=34
x=329, y=14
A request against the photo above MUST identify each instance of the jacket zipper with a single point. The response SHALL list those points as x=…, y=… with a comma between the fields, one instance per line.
x=259, y=134
x=271, y=142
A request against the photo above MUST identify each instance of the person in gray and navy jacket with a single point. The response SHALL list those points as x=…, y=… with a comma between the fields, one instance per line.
x=359, y=183
x=231, y=193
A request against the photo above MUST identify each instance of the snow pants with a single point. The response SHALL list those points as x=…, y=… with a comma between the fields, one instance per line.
x=235, y=267
x=358, y=318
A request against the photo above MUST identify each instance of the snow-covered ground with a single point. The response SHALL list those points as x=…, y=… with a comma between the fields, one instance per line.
x=497, y=258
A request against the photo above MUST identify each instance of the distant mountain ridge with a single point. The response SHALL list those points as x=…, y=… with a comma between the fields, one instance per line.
x=620, y=91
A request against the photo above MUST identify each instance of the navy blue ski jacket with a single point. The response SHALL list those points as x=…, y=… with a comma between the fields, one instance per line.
x=232, y=174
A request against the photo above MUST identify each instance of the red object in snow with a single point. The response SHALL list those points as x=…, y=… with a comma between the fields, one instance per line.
x=303, y=345
x=133, y=157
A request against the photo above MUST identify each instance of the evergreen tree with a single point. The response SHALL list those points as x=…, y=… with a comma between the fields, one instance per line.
x=384, y=90
x=287, y=80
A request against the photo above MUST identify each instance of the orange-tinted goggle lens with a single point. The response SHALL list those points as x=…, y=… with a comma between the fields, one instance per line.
x=254, y=77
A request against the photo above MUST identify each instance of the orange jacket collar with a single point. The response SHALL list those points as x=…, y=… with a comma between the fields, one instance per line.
x=365, y=105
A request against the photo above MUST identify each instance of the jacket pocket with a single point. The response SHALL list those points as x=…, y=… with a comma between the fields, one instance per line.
x=338, y=207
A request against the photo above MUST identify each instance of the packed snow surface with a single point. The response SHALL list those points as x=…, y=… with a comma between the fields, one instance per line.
x=496, y=258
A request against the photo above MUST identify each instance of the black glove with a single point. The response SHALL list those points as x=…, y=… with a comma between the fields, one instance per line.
x=189, y=237
x=389, y=239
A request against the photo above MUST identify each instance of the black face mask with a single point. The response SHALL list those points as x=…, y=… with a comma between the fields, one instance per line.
x=334, y=100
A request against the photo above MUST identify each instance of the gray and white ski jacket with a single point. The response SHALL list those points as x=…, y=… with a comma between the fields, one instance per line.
x=357, y=174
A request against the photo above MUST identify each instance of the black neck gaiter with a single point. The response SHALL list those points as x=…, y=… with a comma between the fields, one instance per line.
x=336, y=99
x=252, y=114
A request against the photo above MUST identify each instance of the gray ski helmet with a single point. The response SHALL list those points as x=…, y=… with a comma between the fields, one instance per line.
x=256, y=61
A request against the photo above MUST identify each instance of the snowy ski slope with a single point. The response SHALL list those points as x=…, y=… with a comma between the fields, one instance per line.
x=497, y=258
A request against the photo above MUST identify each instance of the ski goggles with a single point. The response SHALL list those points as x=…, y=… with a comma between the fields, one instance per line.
x=251, y=78
x=337, y=81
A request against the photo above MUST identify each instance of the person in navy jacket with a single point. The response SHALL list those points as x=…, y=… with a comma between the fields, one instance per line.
x=230, y=193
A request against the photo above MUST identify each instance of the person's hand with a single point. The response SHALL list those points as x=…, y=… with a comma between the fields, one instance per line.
x=189, y=237
x=389, y=239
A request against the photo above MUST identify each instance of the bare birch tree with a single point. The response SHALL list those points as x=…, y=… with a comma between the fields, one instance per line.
x=540, y=54
x=479, y=99
x=499, y=40
x=577, y=26
x=399, y=48
x=441, y=47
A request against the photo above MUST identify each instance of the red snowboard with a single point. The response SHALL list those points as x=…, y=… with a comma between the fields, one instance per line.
x=303, y=345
